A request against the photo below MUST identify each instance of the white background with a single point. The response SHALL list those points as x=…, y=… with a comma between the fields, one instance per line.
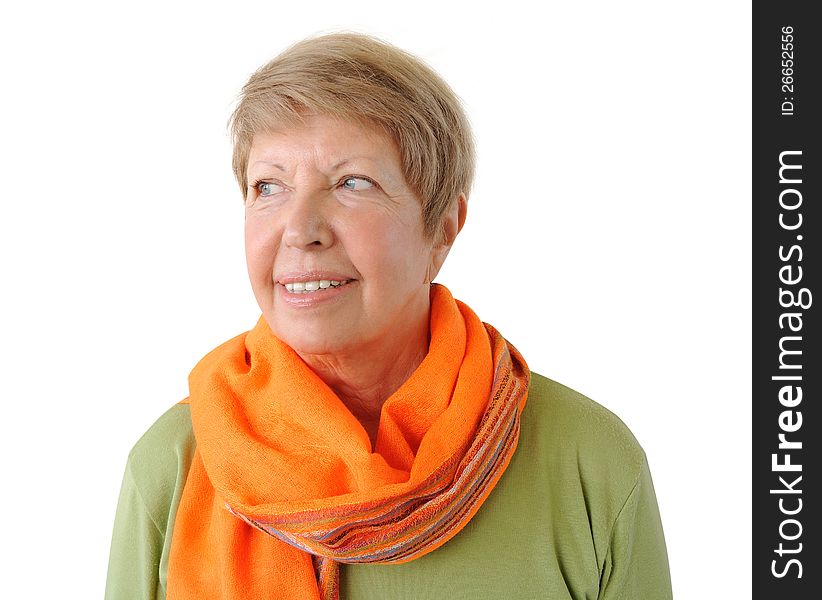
x=608, y=238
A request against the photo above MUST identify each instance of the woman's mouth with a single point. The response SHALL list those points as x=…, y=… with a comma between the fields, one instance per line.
x=306, y=287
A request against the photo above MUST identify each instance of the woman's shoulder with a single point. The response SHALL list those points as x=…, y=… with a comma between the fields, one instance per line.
x=172, y=430
x=572, y=503
x=575, y=421
x=153, y=483
x=159, y=462
x=576, y=438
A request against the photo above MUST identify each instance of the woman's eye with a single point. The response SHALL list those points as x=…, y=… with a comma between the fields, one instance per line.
x=267, y=188
x=356, y=184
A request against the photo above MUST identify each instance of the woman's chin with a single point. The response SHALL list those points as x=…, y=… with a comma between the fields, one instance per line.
x=314, y=338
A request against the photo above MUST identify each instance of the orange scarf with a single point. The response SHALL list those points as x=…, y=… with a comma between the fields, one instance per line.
x=284, y=485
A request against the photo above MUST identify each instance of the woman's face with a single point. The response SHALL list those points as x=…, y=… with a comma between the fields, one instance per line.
x=334, y=237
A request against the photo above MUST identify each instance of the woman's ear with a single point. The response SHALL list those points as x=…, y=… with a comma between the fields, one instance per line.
x=454, y=220
x=452, y=223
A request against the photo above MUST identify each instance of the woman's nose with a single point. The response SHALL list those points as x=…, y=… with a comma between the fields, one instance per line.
x=308, y=225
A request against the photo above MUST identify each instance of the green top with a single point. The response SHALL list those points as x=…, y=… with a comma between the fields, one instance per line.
x=573, y=516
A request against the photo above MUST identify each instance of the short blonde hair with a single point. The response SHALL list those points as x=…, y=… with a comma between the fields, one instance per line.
x=357, y=76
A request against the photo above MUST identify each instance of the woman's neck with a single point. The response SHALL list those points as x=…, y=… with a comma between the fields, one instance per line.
x=366, y=376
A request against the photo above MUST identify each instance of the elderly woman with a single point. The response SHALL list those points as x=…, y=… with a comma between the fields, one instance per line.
x=370, y=437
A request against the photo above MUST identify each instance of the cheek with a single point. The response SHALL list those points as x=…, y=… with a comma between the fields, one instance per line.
x=259, y=246
x=389, y=251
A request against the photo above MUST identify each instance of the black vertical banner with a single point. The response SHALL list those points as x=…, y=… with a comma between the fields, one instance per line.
x=787, y=368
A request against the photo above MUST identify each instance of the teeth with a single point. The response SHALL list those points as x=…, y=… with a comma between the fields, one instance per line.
x=303, y=287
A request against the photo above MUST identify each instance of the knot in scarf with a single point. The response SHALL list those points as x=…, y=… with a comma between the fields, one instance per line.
x=284, y=485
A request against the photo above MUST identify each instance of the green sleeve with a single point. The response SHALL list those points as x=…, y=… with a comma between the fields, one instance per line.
x=136, y=548
x=636, y=565
x=152, y=487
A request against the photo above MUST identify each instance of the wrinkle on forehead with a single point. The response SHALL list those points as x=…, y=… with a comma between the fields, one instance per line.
x=311, y=145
